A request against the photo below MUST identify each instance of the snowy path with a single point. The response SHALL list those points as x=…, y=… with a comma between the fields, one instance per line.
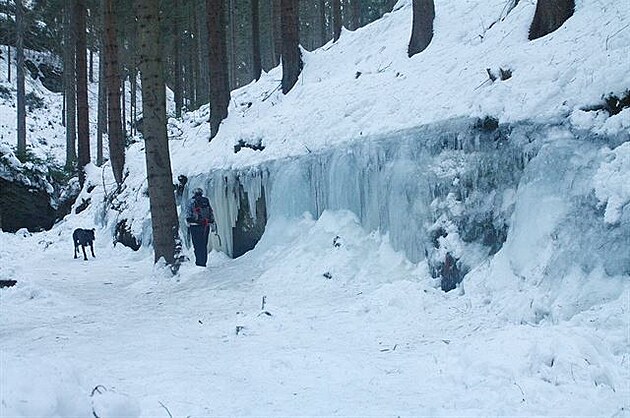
x=376, y=339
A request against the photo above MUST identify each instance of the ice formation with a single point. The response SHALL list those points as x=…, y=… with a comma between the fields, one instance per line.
x=451, y=192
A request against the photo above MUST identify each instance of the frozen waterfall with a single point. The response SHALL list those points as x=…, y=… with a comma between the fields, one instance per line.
x=445, y=193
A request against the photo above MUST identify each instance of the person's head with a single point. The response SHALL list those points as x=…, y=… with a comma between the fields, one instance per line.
x=197, y=192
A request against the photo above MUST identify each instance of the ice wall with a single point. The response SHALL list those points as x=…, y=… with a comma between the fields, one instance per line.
x=445, y=193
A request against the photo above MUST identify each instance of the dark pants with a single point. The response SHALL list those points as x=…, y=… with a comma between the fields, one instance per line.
x=199, y=235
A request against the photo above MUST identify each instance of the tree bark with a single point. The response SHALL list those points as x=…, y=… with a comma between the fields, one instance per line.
x=133, y=112
x=83, y=118
x=422, y=30
x=219, y=77
x=114, y=130
x=101, y=112
x=91, y=66
x=164, y=222
x=336, y=18
x=323, y=37
x=203, y=54
x=356, y=14
x=9, y=63
x=21, y=99
x=276, y=30
x=231, y=42
x=257, y=64
x=123, y=102
x=291, y=54
x=70, y=84
x=549, y=16
x=177, y=84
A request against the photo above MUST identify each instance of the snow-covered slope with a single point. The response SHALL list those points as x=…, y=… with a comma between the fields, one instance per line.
x=365, y=84
x=379, y=150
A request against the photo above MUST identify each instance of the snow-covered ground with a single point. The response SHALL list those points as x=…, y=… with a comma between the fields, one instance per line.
x=373, y=338
x=355, y=329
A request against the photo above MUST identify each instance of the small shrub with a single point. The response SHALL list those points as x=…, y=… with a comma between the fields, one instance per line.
x=33, y=101
x=5, y=93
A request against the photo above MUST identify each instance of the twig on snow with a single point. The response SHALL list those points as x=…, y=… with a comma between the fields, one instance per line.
x=167, y=411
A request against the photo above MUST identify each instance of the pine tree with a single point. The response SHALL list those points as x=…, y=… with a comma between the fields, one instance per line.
x=101, y=112
x=336, y=19
x=164, y=222
x=203, y=84
x=356, y=14
x=114, y=125
x=219, y=77
x=276, y=23
x=83, y=127
x=257, y=61
x=177, y=83
x=291, y=54
x=21, y=99
x=69, y=84
x=422, y=31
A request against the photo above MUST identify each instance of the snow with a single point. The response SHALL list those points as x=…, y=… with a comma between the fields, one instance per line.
x=553, y=78
x=613, y=182
x=336, y=310
x=376, y=338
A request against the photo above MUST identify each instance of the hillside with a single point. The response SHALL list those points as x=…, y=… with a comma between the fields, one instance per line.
x=415, y=239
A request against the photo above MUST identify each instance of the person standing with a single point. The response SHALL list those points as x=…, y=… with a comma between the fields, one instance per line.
x=200, y=219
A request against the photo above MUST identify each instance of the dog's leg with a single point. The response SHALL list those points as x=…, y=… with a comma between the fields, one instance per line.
x=84, y=255
x=75, y=249
x=92, y=249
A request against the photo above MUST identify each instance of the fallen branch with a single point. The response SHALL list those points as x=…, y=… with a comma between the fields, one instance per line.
x=167, y=411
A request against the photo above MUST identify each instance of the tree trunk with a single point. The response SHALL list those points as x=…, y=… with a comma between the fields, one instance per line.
x=219, y=77
x=231, y=44
x=9, y=63
x=291, y=54
x=70, y=84
x=83, y=119
x=204, y=53
x=549, y=16
x=276, y=19
x=336, y=18
x=102, y=111
x=177, y=84
x=114, y=126
x=257, y=65
x=164, y=222
x=422, y=31
x=91, y=66
x=21, y=105
x=123, y=103
x=133, y=100
x=323, y=33
x=356, y=14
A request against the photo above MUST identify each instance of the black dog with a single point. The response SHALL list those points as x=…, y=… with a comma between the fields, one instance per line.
x=83, y=237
